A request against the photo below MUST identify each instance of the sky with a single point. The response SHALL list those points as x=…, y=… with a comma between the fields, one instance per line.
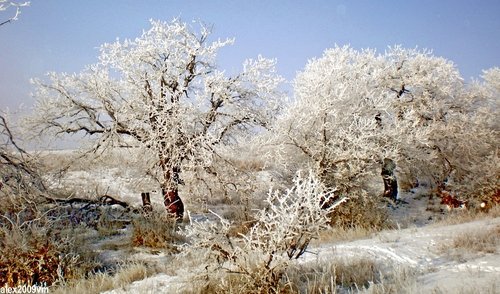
x=64, y=35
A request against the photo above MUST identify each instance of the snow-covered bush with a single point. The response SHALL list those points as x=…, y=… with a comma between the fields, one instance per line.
x=257, y=260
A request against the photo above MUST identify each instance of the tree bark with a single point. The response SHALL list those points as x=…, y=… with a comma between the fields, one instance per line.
x=173, y=203
x=390, y=180
x=170, y=190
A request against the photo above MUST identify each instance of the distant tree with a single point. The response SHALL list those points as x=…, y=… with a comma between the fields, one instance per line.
x=162, y=91
x=15, y=162
x=18, y=168
x=6, y=4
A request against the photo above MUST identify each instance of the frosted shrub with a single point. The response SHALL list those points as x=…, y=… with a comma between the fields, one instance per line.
x=281, y=233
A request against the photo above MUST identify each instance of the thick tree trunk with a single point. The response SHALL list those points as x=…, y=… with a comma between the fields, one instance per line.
x=170, y=192
x=390, y=180
x=170, y=188
x=173, y=203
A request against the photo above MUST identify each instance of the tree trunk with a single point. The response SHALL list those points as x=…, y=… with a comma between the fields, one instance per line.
x=390, y=180
x=173, y=203
x=170, y=192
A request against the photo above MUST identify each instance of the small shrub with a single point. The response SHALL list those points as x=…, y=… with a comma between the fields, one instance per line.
x=257, y=261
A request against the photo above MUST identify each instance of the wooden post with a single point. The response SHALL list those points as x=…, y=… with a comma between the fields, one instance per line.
x=146, y=202
x=390, y=180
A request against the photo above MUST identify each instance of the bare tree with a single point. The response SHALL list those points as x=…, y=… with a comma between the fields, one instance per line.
x=161, y=92
x=18, y=168
x=16, y=164
x=6, y=4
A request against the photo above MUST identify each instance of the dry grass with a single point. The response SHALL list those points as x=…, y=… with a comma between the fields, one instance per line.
x=354, y=275
x=107, y=226
x=465, y=216
x=357, y=275
x=38, y=246
x=472, y=243
x=249, y=164
x=490, y=287
x=341, y=234
x=155, y=230
x=235, y=284
x=326, y=277
x=362, y=212
x=329, y=277
x=398, y=281
x=100, y=282
x=36, y=254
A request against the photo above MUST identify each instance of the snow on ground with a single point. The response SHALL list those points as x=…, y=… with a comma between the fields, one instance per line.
x=111, y=181
x=413, y=248
x=416, y=248
x=161, y=283
x=419, y=249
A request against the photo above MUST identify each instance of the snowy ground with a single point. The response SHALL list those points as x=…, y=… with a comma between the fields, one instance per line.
x=418, y=249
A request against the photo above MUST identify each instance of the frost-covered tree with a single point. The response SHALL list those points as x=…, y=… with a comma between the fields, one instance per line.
x=356, y=110
x=163, y=93
x=466, y=141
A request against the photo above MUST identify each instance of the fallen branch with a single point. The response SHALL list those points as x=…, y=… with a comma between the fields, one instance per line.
x=103, y=200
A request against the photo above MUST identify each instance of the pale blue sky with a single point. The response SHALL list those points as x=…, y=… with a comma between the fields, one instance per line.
x=63, y=35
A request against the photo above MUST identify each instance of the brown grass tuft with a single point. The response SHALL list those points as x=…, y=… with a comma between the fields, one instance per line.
x=155, y=230
x=485, y=241
x=328, y=277
x=362, y=212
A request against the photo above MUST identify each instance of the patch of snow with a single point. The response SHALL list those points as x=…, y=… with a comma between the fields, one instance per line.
x=412, y=248
x=160, y=283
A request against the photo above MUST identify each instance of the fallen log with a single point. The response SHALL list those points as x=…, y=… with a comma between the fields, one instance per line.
x=103, y=200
